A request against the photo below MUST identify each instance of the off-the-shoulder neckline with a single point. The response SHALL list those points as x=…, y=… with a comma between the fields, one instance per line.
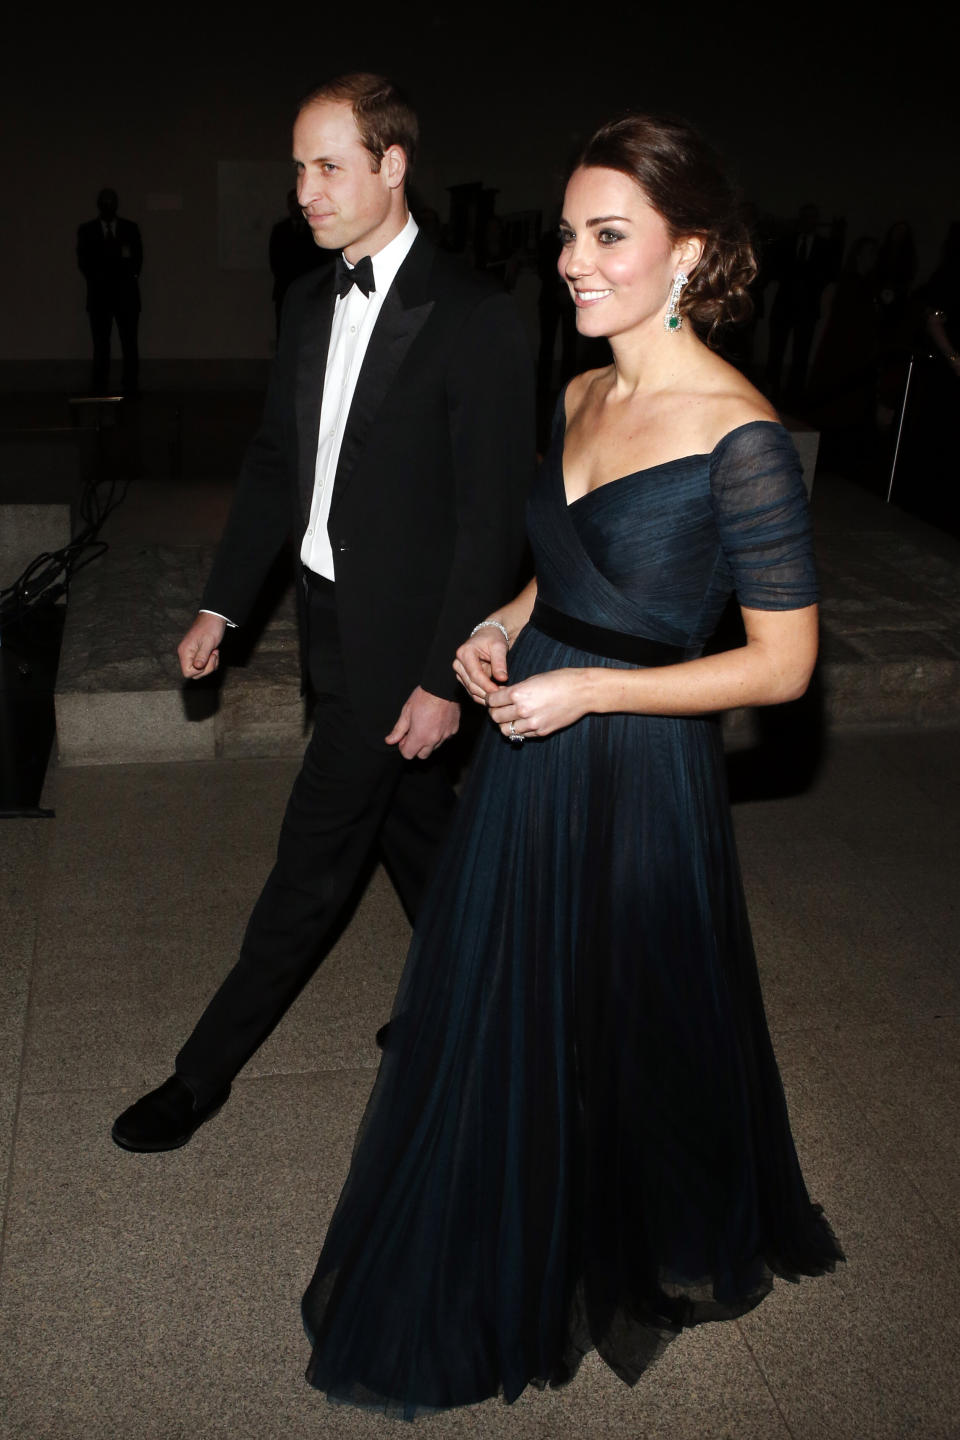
x=663, y=464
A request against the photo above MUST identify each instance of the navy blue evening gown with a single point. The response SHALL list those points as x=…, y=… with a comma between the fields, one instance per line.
x=578, y=1136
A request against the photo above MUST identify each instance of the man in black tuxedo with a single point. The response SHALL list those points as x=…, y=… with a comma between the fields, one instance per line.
x=398, y=440
x=110, y=255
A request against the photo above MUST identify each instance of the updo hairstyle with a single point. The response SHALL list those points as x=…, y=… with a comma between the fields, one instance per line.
x=681, y=177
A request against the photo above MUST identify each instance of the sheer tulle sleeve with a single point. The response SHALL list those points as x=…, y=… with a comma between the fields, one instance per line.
x=763, y=518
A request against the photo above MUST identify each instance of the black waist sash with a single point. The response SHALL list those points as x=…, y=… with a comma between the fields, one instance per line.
x=614, y=644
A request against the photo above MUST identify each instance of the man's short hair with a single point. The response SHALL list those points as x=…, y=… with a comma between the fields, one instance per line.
x=383, y=114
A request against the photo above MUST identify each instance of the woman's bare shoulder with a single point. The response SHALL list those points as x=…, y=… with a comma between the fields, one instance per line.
x=580, y=387
x=727, y=401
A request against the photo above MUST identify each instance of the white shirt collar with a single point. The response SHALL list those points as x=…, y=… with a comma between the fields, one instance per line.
x=387, y=261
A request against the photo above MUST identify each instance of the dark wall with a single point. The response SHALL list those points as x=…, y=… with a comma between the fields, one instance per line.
x=844, y=112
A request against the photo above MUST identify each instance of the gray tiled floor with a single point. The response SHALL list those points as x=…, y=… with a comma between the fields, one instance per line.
x=156, y=1297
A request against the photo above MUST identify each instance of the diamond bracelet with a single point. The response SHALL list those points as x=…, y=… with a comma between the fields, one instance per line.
x=497, y=625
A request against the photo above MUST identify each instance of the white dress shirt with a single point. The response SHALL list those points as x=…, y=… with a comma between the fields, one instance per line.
x=354, y=317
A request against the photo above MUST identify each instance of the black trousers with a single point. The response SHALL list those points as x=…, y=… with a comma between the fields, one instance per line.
x=102, y=316
x=802, y=324
x=351, y=799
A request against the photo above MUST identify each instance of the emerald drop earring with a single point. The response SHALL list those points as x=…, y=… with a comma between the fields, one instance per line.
x=673, y=320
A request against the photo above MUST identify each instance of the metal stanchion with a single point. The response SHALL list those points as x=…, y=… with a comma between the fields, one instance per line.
x=903, y=411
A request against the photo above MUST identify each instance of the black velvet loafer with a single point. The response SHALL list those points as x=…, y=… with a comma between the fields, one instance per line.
x=165, y=1119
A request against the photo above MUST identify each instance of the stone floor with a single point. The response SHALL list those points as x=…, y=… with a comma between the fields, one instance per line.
x=155, y=1298
x=890, y=610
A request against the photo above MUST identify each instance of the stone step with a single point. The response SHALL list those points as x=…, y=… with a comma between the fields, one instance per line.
x=39, y=483
x=120, y=697
x=890, y=654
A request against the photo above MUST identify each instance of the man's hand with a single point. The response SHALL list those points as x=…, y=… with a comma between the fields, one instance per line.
x=199, y=650
x=424, y=723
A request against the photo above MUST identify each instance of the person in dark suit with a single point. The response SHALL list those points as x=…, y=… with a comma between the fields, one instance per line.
x=398, y=440
x=292, y=253
x=803, y=262
x=110, y=255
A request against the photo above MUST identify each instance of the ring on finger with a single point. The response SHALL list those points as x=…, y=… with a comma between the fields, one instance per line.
x=515, y=736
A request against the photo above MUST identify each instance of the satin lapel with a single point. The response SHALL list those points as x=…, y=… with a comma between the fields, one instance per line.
x=315, y=320
x=404, y=313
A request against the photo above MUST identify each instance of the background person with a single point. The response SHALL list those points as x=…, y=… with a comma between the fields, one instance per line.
x=293, y=253
x=110, y=256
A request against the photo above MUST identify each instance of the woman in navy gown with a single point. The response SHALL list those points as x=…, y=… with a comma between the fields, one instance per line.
x=578, y=1136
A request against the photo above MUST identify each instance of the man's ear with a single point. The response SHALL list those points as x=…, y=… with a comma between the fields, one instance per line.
x=393, y=166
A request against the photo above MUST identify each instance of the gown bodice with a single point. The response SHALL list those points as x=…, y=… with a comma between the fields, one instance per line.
x=660, y=551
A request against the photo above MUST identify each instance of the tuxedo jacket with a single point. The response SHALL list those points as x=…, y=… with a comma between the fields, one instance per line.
x=426, y=517
x=111, y=271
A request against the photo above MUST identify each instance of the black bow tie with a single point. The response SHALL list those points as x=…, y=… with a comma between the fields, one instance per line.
x=361, y=275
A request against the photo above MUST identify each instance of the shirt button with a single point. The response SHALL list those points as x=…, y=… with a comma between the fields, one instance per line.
x=353, y=329
x=309, y=529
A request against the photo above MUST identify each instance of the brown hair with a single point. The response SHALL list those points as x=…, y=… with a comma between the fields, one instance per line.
x=683, y=181
x=382, y=113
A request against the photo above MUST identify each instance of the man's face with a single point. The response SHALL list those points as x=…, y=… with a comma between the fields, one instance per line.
x=348, y=204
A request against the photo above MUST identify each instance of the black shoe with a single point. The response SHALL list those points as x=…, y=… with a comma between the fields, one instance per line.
x=165, y=1119
x=382, y=1035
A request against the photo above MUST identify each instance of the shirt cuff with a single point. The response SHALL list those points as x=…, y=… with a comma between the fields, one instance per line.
x=231, y=624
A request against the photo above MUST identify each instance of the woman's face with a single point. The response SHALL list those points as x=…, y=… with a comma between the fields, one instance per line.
x=617, y=257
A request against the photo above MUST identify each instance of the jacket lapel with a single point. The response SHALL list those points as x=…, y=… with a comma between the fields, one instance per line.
x=402, y=316
x=315, y=320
